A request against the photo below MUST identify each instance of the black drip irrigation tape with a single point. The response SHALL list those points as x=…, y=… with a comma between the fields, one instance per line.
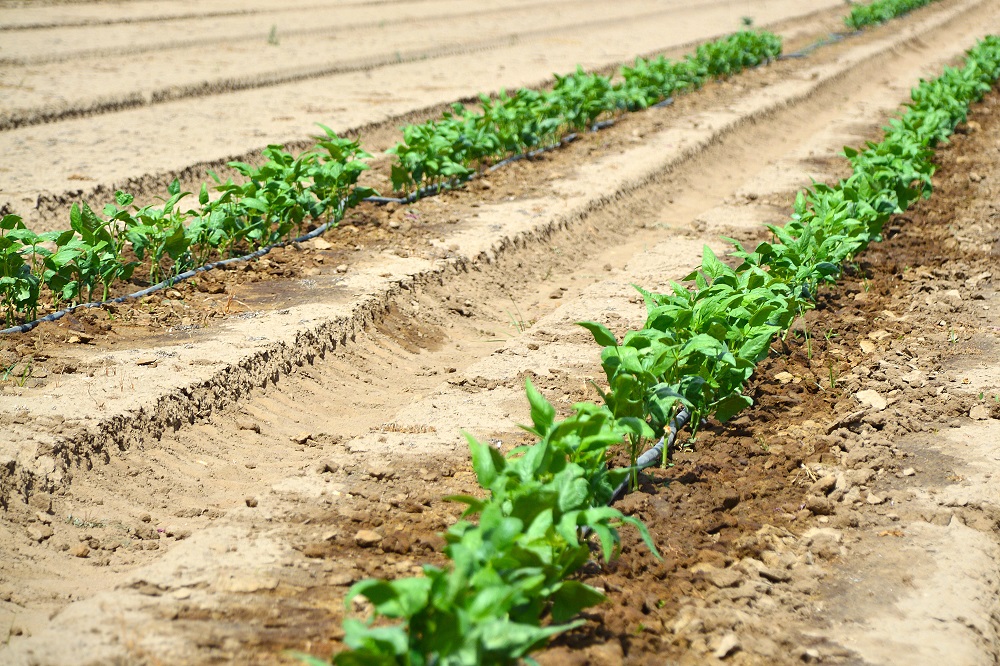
x=649, y=458
x=826, y=41
x=569, y=138
x=169, y=282
x=655, y=454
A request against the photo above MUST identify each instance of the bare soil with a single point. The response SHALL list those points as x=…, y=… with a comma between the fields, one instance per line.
x=198, y=478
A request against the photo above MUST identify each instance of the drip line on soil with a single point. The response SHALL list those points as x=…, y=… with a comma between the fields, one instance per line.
x=169, y=282
x=654, y=454
x=833, y=38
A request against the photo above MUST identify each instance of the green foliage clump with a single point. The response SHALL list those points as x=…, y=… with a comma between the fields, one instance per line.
x=880, y=11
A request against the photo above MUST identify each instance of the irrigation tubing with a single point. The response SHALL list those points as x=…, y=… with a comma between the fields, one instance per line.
x=649, y=458
x=655, y=454
x=826, y=41
x=169, y=282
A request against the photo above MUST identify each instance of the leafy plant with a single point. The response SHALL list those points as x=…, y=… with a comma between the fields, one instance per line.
x=18, y=285
x=508, y=589
x=880, y=11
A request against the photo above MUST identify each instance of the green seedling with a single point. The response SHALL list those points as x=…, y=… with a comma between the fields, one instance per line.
x=880, y=11
x=508, y=587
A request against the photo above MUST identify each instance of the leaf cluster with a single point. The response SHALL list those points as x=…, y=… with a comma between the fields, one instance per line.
x=509, y=586
x=697, y=348
x=880, y=11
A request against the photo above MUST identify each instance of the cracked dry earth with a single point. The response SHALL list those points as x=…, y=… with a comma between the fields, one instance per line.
x=849, y=517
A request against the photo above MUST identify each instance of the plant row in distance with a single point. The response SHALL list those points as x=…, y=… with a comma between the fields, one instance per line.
x=880, y=11
x=288, y=193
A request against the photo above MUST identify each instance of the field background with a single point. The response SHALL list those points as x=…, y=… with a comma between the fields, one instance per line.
x=197, y=477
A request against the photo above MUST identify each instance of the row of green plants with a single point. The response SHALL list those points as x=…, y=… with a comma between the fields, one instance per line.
x=880, y=11
x=278, y=200
x=700, y=344
x=449, y=150
x=510, y=585
x=275, y=202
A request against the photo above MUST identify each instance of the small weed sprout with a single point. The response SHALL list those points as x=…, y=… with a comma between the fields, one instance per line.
x=272, y=37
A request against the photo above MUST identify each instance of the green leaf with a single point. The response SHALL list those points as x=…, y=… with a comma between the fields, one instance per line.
x=571, y=598
x=487, y=462
x=372, y=646
x=401, y=598
x=542, y=412
x=573, y=494
x=255, y=204
x=754, y=349
x=124, y=199
x=515, y=639
x=601, y=334
x=730, y=406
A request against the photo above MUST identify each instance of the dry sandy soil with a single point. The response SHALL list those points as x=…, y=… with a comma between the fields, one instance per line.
x=195, y=478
